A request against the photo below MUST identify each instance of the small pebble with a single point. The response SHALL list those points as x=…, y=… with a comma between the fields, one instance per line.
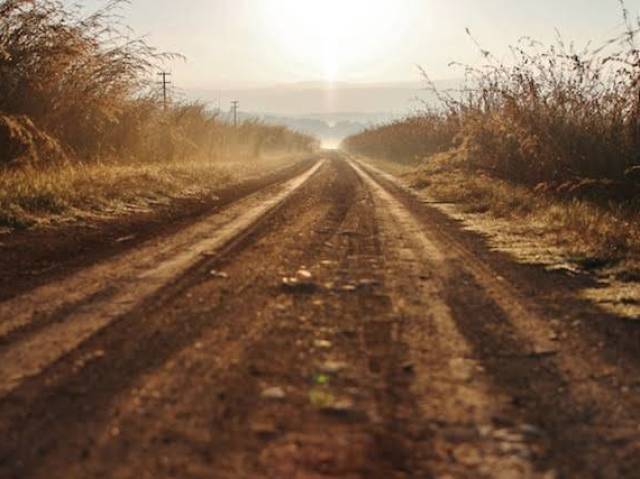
x=322, y=344
x=333, y=367
x=218, y=274
x=273, y=393
x=304, y=274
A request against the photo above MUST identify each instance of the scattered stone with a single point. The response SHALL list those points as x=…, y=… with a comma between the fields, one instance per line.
x=304, y=274
x=301, y=282
x=273, y=393
x=296, y=285
x=322, y=344
x=349, y=288
x=365, y=283
x=124, y=239
x=333, y=367
x=327, y=262
x=218, y=274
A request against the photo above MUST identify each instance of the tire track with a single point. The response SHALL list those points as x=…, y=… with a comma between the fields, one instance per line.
x=455, y=432
x=404, y=356
x=549, y=381
x=64, y=420
x=117, y=287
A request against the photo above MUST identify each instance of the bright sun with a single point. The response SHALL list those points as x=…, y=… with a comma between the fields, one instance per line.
x=332, y=38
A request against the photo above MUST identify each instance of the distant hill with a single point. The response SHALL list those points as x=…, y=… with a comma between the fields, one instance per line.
x=325, y=98
x=330, y=112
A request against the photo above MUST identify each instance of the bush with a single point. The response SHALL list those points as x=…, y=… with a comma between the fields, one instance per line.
x=74, y=86
x=408, y=140
x=553, y=115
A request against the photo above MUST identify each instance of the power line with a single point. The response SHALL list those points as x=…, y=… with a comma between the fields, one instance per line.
x=165, y=84
x=234, y=106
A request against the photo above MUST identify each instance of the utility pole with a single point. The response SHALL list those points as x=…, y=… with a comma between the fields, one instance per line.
x=165, y=84
x=234, y=107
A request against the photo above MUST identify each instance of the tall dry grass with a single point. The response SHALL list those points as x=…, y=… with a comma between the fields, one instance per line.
x=77, y=87
x=82, y=127
x=406, y=141
x=561, y=118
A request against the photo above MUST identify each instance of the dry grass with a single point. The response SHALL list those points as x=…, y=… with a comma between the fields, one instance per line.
x=567, y=235
x=554, y=116
x=407, y=141
x=82, y=130
x=583, y=229
x=77, y=88
x=50, y=196
x=552, y=136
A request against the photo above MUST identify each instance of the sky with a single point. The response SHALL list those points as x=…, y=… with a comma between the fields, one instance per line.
x=253, y=43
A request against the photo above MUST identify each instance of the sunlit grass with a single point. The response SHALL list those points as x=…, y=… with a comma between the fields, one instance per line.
x=553, y=114
x=83, y=130
x=582, y=228
x=552, y=135
x=75, y=191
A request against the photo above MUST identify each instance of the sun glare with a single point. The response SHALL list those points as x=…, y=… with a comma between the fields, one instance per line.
x=332, y=38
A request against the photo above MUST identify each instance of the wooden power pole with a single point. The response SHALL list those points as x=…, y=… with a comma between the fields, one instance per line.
x=234, y=106
x=165, y=84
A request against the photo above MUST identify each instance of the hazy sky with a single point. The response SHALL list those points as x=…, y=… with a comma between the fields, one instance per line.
x=236, y=43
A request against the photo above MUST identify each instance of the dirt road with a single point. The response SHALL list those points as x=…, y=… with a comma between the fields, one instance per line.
x=325, y=325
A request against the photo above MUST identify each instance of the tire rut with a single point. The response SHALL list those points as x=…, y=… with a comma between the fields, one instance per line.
x=134, y=278
x=390, y=350
x=71, y=399
x=549, y=380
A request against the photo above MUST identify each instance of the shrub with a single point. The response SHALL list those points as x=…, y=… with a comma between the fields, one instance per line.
x=552, y=115
x=75, y=87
